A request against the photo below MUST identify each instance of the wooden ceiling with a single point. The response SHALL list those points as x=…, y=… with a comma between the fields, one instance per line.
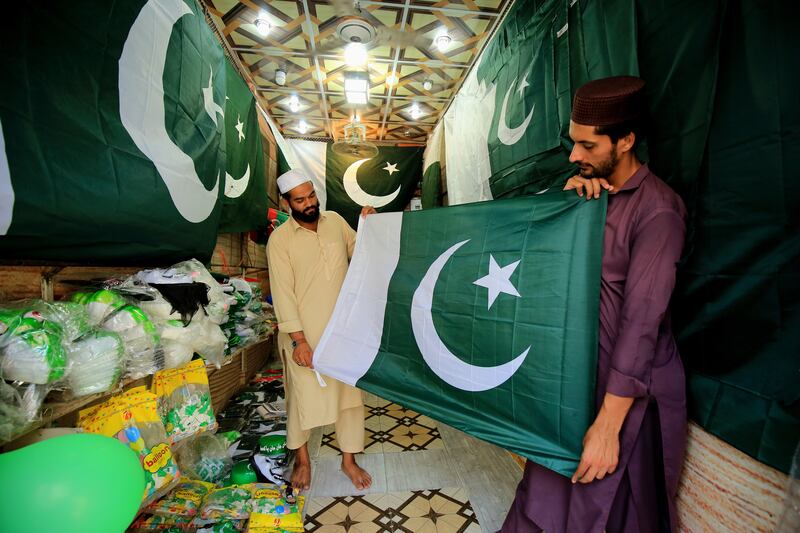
x=303, y=42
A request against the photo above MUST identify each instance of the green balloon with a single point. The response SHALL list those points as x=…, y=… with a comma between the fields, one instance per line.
x=79, y=483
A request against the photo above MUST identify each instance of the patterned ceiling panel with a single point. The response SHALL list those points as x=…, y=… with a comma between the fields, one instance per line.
x=303, y=55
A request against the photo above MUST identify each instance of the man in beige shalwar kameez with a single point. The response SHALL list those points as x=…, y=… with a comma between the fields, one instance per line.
x=308, y=259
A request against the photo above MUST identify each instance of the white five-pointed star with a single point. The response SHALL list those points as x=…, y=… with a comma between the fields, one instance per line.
x=524, y=83
x=391, y=169
x=212, y=108
x=498, y=281
x=240, y=127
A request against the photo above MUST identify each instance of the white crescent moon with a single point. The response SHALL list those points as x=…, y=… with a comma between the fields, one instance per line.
x=357, y=194
x=234, y=187
x=509, y=136
x=141, y=107
x=438, y=357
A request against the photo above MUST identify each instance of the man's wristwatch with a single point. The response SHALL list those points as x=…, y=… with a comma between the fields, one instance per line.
x=295, y=343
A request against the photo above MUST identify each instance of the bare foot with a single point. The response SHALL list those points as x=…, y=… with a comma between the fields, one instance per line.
x=360, y=477
x=301, y=476
x=301, y=473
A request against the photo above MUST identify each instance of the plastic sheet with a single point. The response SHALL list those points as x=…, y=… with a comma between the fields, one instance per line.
x=205, y=457
x=184, y=401
x=31, y=348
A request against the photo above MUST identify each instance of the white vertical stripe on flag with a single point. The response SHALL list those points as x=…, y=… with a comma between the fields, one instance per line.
x=377, y=252
x=297, y=160
x=467, y=124
x=6, y=188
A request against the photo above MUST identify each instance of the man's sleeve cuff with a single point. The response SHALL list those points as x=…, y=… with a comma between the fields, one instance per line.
x=290, y=326
x=626, y=386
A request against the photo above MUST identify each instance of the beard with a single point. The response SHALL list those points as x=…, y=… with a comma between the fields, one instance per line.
x=309, y=215
x=603, y=169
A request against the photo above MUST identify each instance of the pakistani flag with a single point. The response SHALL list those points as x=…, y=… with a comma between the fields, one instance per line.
x=386, y=182
x=244, y=205
x=482, y=316
x=507, y=130
x=432, y=169
x=112, y=118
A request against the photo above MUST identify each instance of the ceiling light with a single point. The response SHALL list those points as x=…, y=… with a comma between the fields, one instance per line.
x=355, y=54
x=415, y=111
x=391, y=79
x=294, y=103
x=302, y=127
x=356, y=87
x=443, y=40
x=263, y=26
x=427, y=85
x=280, y=77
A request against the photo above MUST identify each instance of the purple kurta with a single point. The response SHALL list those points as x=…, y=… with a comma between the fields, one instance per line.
x=637, y=358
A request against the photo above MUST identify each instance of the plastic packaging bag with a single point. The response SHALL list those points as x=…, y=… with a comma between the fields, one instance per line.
x=132, y=418
x=99, y=304
x=269, y=510
x=14, y=417
x=227, y=503
x=166, y=524
x=205, y=457
x=208, y=341
x=31, y=348
x=184, y=400
x=142, y=353
x=97, y=359
x=219, y=302
x=176, y=343
x=184, y=500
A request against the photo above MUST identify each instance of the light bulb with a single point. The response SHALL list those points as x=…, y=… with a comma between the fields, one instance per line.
x=263, y=26
x=355, y=54
x=391, y=79
x=443, y=41
x=302, y=127
x=415, y=111
x=427, y=85
x=294, y=103
x=280, y=77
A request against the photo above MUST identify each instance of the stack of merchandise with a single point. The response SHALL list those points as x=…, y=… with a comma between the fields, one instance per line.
x=248, y=320
x=234, y=480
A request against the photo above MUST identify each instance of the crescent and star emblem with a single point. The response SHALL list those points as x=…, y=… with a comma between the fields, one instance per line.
x=506, y=135
x=359, y=195
x=141, y=107
x=444, y=363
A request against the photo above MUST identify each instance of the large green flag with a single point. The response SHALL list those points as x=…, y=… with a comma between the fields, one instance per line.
x=244, y=205
x=386, y=182
x=111, y=120
x=482, y=316
x=432, y=169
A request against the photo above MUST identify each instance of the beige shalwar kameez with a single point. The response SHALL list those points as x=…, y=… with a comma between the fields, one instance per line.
x=306, y=271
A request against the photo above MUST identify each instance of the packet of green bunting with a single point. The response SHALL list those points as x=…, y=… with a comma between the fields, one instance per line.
x=184, y=400
x=184, y=500
x=163, y=524
x=231, y=503
x=270, y=512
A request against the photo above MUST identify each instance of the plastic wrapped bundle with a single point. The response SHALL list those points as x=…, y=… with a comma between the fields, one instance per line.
x=176, y=343
x=207, y=339
x=31, y=348
x=219, y=302
x=142, y=353
x=205, y=457
x=97, y=360
x=100, y=304
x=184, y=400
x=73, y=318
x=13, y=414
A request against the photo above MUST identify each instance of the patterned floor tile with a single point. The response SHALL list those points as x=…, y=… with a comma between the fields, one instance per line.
x=445, y=510
x=389, y=427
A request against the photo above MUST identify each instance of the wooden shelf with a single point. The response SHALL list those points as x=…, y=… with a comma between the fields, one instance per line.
x=236, y=371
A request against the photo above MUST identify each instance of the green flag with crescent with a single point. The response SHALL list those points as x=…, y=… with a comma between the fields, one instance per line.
x=482, y=316
x=386, y=181
x=111, y=147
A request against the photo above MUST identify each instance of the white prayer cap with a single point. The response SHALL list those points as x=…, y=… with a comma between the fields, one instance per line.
x=289, y=180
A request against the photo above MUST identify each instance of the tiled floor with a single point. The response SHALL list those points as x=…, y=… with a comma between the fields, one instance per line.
x=427, y=477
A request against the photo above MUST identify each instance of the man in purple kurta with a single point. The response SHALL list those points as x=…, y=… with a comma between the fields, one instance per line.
x=632, y=453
